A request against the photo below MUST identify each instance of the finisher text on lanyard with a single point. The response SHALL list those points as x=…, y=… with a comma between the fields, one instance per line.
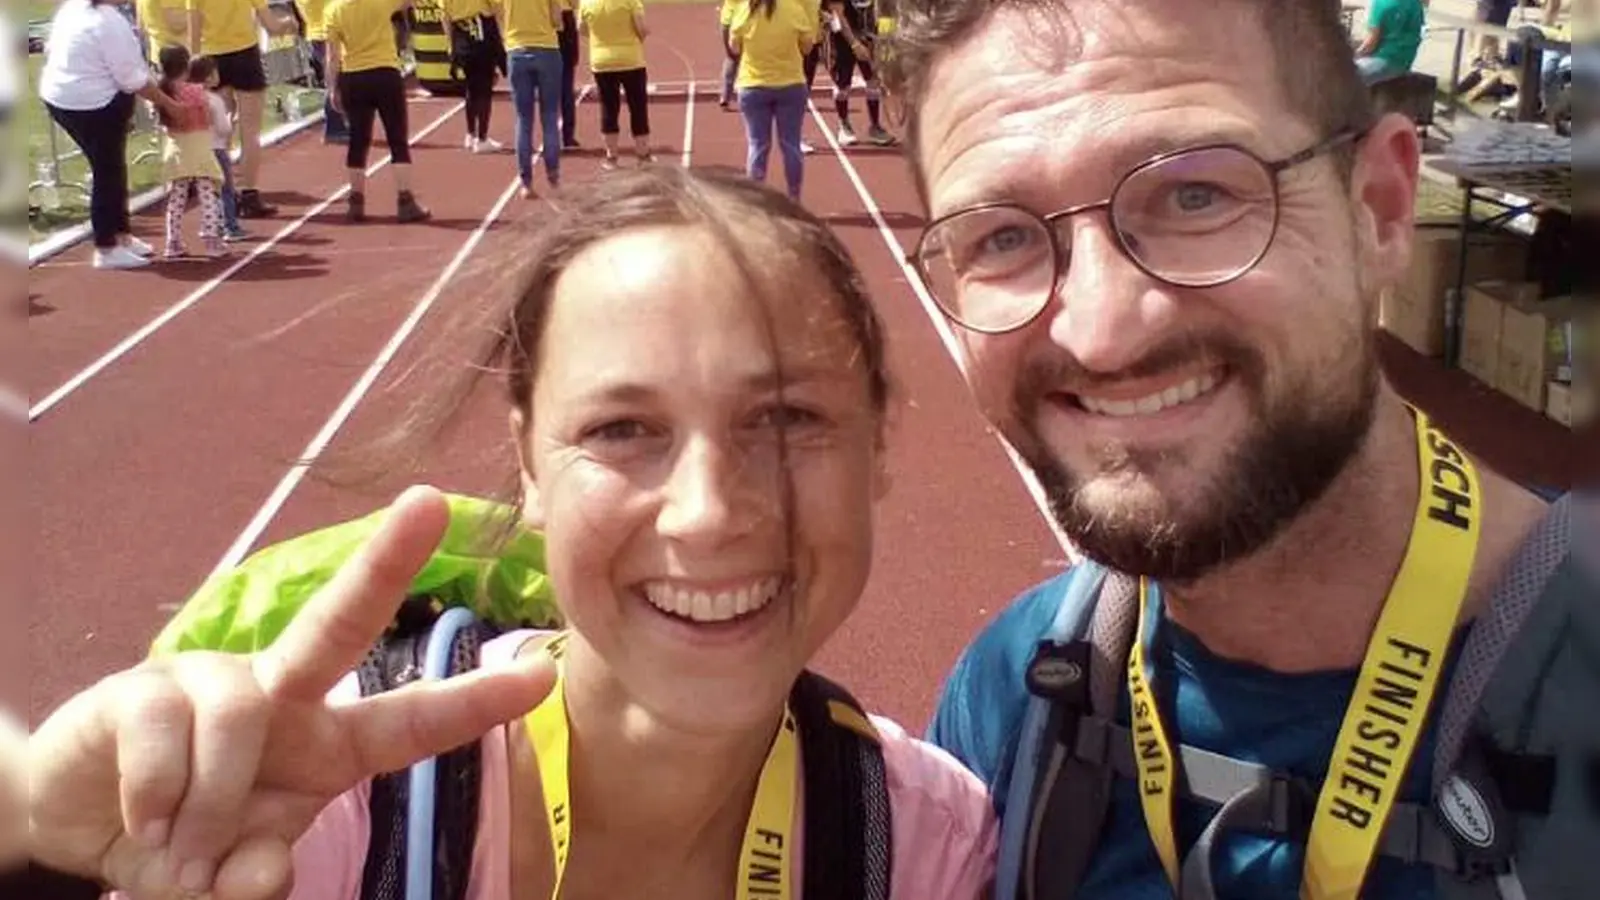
x=1392, y=694
x=766, y=860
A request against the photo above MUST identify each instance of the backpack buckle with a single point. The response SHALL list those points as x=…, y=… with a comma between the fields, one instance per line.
x=1291, y=804
x=1060, y=673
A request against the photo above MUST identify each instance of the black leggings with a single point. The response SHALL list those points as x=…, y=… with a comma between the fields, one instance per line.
x=611, y=85
x=809, y=63
x=380, y=93
x=102, y=135
x=567, y=40
x=478, y=74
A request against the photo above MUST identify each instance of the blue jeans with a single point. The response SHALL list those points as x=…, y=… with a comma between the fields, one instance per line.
x=763, y=107
x=334, y=126
x=230, y=200
x=535, y=75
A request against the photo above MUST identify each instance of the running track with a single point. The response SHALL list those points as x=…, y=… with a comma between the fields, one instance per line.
x=206, y=381
x=169, y=405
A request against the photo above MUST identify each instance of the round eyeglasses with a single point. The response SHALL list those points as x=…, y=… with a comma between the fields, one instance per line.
x=1198, y=217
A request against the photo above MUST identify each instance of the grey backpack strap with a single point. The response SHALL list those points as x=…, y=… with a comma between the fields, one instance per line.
x=1075, y=793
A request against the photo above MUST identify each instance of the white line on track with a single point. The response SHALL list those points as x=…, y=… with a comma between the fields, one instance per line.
x=204, y=290
x=688, y=128
x=940, y=323
x=291, y=480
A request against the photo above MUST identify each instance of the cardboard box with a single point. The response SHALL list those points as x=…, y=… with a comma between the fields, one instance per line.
x=1533, y=348
x=1569, y=404
x=1414, y=310
x=1482, y=320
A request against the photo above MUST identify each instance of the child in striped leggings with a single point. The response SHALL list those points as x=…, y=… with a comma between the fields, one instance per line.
x=190, y=165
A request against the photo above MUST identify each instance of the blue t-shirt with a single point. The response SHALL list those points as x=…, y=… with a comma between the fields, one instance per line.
x=1286, y=722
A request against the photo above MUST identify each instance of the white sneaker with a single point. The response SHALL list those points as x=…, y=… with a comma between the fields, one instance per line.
x=847, y=136
x=469, y=143
x=138, y=247
x=119, y=258
x=488, y=145
x=806, y=146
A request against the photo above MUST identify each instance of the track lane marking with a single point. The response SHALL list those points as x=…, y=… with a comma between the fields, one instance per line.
x=937, y=318
x=138, y=337
x=319, y=442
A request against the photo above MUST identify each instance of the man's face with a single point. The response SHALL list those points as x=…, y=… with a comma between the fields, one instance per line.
x=1174, y=429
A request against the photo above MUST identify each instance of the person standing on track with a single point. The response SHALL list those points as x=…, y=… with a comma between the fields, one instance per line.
x=93, y=69
x=616, y=30
x=335, y=130
x=852, y=26
x=730, y=58
x=533, y=55
x=226, y=31
x=477, y=52
x=365, y=69
x=772, y=38
x=188, y=163
x=1162, y=229
x=569, y=75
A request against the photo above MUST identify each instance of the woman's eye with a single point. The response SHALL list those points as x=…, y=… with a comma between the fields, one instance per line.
x=785, y=416
x=620, y=430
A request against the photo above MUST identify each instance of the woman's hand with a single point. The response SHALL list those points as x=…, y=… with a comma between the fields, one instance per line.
x=202, y=769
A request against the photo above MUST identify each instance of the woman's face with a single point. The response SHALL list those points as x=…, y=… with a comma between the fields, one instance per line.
x=654, y=464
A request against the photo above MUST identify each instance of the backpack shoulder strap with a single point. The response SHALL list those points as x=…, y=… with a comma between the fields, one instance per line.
x=849, y=834
x=423, y=643
x=1058, y=800
x=1517, y=729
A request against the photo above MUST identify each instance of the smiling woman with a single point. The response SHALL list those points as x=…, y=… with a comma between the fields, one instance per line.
x=697, y=400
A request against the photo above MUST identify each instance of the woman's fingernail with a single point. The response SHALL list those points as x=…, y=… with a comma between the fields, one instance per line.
x=154, y=834
x=195, y=876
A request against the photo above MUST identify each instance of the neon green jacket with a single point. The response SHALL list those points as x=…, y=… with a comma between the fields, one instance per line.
x=245, y=609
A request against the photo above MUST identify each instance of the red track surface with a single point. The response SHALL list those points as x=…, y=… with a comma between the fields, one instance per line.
x=147, y=473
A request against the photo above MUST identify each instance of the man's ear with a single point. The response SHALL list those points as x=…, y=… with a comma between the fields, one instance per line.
x=532, y=509
x=1383, y=189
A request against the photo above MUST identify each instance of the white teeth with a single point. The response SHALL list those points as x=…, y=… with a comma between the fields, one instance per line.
x=1154, y=403
x=705, y=606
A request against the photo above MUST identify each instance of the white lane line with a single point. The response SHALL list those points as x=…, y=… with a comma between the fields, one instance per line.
x=205, y=290
x=688, y=127
x=940, y=323
x=291, y=480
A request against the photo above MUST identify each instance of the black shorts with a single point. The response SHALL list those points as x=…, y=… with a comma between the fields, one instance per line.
x=1495, y=12
x=242, y=70
x=845, y=65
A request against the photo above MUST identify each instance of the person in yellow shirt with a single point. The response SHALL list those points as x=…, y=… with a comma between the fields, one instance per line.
x=533, y=56
x=314, y=13
x=364, y=69
x=478, y=52
x=616, y=31
x=730, y=61
x=227, y=31
x=772, y=38
x=164, y=23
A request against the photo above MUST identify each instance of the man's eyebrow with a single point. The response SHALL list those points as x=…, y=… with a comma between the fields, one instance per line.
x=1123, y=155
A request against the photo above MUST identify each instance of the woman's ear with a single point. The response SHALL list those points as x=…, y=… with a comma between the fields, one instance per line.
x=532, y=510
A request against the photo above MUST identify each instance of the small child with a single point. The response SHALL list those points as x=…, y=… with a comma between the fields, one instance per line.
x=203, y=71
x=188, y=159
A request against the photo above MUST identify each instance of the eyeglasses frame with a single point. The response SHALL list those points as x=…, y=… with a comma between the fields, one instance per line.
x=1051, y=222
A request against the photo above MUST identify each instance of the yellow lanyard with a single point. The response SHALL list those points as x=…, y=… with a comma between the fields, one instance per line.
x=1392, y=694
x=766, y=860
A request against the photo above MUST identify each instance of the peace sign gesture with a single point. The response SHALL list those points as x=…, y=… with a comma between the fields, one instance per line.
x=201, y=770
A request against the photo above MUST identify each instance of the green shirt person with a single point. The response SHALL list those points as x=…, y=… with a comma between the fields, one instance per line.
x=1394, y=32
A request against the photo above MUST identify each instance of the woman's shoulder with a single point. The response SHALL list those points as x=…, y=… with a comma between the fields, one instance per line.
x=944, y=824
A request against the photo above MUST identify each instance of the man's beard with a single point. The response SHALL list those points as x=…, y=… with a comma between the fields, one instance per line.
x=1296, y=446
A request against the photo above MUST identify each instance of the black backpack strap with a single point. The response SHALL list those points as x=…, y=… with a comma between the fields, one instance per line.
x=397, y=660
x=848, y=821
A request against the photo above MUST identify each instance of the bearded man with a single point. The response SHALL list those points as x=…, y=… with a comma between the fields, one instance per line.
x=1162, y=228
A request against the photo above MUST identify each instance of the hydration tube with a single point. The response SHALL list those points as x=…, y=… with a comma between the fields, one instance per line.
x=419, y=821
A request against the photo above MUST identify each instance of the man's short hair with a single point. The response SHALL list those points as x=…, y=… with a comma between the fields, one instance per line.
x=1311, y=54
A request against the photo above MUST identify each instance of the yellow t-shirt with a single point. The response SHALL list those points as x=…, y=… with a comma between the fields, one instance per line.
x=226, y=26
x=772, y=47
x=729, y=8
x=456, y=10
x=614, y=45
x=315, y=12
x=364, y=33
x=528, y=25
x=152, y=16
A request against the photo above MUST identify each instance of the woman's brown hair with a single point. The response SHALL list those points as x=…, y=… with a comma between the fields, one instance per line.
x=768, y=236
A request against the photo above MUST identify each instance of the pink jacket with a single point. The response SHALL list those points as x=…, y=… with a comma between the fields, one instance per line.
x=944, y=828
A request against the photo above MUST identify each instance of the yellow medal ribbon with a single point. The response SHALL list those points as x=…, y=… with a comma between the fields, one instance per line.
x=1392, y=695
x=766, y=858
